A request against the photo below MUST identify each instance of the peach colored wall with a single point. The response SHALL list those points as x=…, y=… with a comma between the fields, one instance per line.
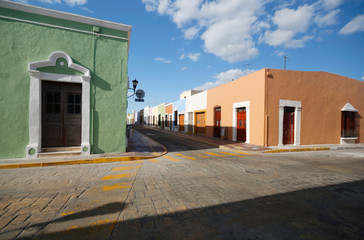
x=322, y=95
x=248, y=88
x=169, y=109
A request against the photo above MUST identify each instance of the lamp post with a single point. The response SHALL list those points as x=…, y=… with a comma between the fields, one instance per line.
x=139, y=93
x=135, y=84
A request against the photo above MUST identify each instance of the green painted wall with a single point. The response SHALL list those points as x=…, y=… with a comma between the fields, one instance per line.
x=161, y=109
x=106, y=58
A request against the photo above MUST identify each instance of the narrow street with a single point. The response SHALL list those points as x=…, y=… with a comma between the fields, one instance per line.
x=195, y=191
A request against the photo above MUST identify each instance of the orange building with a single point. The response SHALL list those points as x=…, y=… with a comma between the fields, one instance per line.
x=273, y=107
x=168, y=116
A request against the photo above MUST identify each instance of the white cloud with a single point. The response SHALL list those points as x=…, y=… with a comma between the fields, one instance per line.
x=182, y=56
x=194, y=56
x=75, y=2
x=68, y=2
x=21, y=1
x=230, y=29
x=184, y=11
x=183, y=68
x=328, y=19
x=290, y=22
x=225, y=77
x=163, y=60
x=230, y=40
x=191, y=32
x=87, y=10
x=150, y=5
x=280, y=53
x=330, y=4
x=295, y=20
x=362, y=78
x=50, y=1
x=355, y=25
x=224, y=25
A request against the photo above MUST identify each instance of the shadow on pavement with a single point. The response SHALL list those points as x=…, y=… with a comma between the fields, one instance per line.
x=331, y=212
x=94, y=212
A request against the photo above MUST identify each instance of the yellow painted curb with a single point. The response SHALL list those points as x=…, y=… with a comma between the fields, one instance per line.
x=297, y=150
x=85, y=161
x=74, y=162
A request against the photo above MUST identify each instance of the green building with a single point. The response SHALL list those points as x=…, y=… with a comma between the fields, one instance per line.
x=64, y=82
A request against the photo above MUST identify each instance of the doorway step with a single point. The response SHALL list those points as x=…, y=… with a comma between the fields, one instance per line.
x=60, y=152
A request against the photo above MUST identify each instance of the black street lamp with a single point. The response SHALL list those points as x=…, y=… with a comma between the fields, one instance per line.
x=135, y=84
x=140, y=93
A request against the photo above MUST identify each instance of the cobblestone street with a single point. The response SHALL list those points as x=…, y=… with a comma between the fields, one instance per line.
x=202, y=193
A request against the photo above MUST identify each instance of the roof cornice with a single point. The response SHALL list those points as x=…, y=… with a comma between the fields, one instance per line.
x=66, y=16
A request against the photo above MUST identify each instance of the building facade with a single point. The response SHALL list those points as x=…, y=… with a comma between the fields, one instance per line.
x=178, y=118
x=64, y=82
x=196, y=113
x=273, y=107
x=277, y=107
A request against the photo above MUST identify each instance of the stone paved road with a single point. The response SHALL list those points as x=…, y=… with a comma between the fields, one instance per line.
x=203, y=193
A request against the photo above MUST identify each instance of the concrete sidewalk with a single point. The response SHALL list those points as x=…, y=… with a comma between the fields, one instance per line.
x=139, y=147
x=227, y=144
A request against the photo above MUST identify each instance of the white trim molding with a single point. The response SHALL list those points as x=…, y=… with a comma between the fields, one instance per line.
x=297, y=120
x=65, y=16
x=35, y=100
x=246, y=105
x=349, y=108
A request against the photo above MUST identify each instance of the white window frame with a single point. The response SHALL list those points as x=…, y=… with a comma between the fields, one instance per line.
x=35, y=100
x=297, y=120
x=246, y=105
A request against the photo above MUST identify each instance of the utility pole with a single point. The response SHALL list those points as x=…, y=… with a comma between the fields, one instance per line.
x=285, y=58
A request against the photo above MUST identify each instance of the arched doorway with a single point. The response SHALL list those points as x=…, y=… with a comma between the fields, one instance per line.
x=63, y=73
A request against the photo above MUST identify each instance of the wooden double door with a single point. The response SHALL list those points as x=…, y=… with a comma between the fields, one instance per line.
x=217, y=126
x=181, y=120
x=200, y=122
x=61, y=114
x=241, y=124
x=288, y=125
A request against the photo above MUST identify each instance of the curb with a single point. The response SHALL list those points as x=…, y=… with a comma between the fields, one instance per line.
x=297, y=150
x=86, y=161
x=76, y=162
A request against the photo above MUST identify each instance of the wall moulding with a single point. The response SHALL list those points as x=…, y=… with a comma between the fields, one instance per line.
x=35, y=100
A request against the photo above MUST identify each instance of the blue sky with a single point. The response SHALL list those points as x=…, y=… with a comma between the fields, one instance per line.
x=177, y=45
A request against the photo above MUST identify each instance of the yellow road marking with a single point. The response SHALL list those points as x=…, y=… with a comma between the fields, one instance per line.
x=118, y=176
x=154, y=160
x=201, y=155
x=245, y=153
x=125, y=168
x=131, y=162
x=67, y=213
x=171, y=158
x=232, y=154
x=184, y=156
x=214, y=154
x=117, y=186
x=71, y=228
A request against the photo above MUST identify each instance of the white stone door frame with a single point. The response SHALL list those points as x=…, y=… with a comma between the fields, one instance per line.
x=35, y=100
x=297, y=120
x=246, y=105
